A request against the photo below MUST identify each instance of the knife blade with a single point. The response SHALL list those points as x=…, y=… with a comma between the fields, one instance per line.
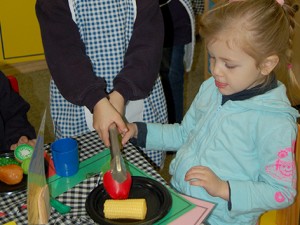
x=117, y=164
x=38, y=197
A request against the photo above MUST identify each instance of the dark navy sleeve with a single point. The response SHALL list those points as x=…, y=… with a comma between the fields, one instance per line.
x=70, y=67
x=229, y=204
x=143, y=57
x=13, y=113
x=140, y=141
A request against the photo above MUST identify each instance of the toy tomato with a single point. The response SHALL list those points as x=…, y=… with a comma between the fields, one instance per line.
x=115, y=189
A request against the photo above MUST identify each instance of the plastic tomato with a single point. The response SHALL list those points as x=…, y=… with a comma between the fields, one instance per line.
x=115, y=189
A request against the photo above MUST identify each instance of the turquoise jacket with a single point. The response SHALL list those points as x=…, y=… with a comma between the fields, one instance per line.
x=248, y=143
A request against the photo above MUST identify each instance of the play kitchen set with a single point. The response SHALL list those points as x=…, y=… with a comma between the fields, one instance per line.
x=123, y=194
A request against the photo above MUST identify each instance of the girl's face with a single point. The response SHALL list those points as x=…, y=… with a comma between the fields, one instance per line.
x=232, y=68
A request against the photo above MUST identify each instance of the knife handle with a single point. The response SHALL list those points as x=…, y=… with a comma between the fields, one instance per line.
x=60, y=207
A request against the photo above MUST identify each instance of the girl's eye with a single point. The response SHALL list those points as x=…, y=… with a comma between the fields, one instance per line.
x=228, y=66
x=210, y=56
x=212, y=59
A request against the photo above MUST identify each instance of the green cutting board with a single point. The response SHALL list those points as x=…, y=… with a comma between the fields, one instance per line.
x=92, y=166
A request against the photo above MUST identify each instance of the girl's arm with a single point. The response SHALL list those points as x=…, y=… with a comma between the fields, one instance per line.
x=156, y=136
x=173, y=136
x=275, y=187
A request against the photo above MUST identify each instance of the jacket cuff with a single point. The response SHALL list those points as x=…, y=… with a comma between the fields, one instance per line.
x=142, y=135
x=229, y=201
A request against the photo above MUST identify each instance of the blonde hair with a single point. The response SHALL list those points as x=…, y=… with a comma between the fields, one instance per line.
x=261, y=28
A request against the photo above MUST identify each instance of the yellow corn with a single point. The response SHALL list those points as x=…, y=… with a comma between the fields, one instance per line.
x=125, y=209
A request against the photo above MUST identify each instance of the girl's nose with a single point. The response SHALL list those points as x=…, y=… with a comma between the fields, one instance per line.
x=215, y=69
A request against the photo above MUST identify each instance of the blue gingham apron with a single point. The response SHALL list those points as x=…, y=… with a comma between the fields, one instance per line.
x=198, y=6
x=95, y=19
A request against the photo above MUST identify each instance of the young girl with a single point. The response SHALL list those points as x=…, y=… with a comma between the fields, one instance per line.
x=235, y=145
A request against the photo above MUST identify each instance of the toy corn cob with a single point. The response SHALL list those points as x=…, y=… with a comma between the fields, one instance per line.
x=125, y=209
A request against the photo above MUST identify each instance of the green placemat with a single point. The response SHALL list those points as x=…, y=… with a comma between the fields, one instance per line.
x=92, y=166
x=87, y=168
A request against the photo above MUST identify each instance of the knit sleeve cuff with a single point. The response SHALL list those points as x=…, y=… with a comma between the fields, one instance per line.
x=229, y=201
x=142, y=135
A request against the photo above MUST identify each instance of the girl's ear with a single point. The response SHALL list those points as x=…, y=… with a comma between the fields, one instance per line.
x=269, y=64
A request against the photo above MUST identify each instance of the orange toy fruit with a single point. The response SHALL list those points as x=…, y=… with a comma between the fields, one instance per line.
x=11, y=174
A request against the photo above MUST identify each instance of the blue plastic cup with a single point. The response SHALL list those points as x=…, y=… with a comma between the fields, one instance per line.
x=65, y=156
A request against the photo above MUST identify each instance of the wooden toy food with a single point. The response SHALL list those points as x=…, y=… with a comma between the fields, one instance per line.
x=11, y=174
x=125, y=209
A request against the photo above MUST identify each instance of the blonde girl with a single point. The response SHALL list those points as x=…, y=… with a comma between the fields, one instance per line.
x=235, y=145
x=267, y=28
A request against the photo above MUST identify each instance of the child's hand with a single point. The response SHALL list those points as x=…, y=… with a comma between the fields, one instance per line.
x=23, y=140
x=204, y=177
x=132, y=132
x=104, y=115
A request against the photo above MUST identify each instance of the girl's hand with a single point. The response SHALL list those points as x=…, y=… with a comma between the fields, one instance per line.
x=204, y=177
x=105, y=115
x=132, y=132
x=23, y=140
